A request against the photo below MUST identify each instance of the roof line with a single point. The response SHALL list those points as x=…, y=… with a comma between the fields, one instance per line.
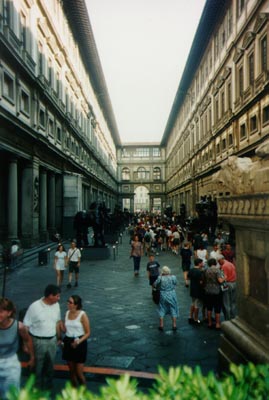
x=79, y=22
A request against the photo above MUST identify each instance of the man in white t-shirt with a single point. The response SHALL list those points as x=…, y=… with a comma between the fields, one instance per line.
x=43, y=320
x=74, y=256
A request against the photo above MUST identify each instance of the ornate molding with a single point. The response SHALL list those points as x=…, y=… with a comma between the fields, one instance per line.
x=254, y=205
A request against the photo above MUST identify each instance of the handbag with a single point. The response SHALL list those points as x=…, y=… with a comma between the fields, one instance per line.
x=156, y=295
x=224, y=287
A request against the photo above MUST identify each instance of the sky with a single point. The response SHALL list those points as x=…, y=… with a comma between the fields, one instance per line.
x=143, y=46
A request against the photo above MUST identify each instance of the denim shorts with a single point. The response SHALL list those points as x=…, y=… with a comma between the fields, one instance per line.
x=10, y=374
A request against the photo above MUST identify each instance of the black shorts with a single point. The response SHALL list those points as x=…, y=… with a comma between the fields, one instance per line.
x=213, y=302
x=152, y=279
x=73, y=267
x=176, y=241
x=186, y=266
x=77, y=355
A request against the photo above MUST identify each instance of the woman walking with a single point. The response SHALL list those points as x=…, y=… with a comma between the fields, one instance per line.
x=77, y=331
x=136, y=253
x=60, y=263
x=168, y=299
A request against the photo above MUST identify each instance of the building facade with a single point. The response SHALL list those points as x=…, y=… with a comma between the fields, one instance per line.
x=141, y=174
x=221, y=107
x=58, y=132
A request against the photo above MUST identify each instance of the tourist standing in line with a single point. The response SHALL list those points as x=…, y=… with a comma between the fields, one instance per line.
x=213, y=276
x=10, y=331
x=43, y=320
x=77, y=331
x=186, y=255
x=74, y=257
x=229, y=295
x=195, y=276
x=168, y=299
x=136, y=253
x=60, y=263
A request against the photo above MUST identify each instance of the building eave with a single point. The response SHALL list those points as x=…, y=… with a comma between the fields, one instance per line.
x=210, y=16
x=79, y=22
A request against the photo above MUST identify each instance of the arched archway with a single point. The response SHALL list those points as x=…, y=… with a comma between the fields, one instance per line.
x=141, y=199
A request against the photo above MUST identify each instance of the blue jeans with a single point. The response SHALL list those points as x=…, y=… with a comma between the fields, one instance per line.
x=136, y=263
x=10, y=374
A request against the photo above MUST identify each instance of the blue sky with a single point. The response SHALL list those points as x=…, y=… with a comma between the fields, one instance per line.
x=143, y=46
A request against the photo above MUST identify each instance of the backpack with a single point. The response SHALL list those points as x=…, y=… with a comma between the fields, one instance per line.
x=147, y=237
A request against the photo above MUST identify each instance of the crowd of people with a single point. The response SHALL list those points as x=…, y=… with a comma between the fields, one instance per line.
x=210, y=277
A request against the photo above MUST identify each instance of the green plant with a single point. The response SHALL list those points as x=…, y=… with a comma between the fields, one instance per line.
x=244, y=382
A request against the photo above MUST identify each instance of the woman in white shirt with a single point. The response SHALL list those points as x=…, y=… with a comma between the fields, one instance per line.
x=60, y=262
x=77, y=331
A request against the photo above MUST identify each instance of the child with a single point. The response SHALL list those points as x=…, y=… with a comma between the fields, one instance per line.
x=153, y=269
x=196, y=290
x=186, y=255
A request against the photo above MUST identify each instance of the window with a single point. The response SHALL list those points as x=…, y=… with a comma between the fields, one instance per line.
x=240, y=7
x=125, y=174
x=240, y=81
x=216, y=42
x=8, y=87
x=7, y=12
x=264, y=53
x=141, y=173
x=25, y=103
x=50, y=73
x=243, y=131
x=59, y=134
x=224, y=144
x=265, y=115
x=251, y=69
x=217, y=108
x=156, y=173
x=23, y=37
x=230, y=21
x=42, y=118
x=141, y=152
x=230, y=139
x=222, y=103
x=218, y=148
x=156, y=152
x=58, y=85
x=253, y=123
x=50, y=127
x=229, y=96
x=40, y=59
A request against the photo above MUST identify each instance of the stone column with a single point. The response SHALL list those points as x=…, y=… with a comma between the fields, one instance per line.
x=13, y=200
x=51, y=203
x=132, y=204
x=43, y=207
x=30, y=203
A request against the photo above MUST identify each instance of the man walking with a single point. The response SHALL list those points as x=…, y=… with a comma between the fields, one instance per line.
x=74, y=257
x=43, y=320
x=228, y=296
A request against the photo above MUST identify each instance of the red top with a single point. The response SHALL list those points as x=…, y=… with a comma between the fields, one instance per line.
x=229, y=271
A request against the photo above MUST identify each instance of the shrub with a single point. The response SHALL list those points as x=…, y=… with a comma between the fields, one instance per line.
x=244, y=382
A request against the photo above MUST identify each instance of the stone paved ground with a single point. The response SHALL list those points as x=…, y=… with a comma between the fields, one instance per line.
x=124, y=320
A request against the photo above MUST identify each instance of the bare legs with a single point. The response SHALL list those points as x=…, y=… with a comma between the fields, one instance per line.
x=174, y=323
x=76, y=373
x=59, y=276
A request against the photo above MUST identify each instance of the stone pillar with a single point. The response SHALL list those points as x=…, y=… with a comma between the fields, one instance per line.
x=13, y=200
x=132, y=204
x=59, y=202
x=51, y=203
x=43, y=207
x=30, y=203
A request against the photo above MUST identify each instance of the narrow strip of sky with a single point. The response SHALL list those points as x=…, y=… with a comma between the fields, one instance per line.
x=143, y=47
